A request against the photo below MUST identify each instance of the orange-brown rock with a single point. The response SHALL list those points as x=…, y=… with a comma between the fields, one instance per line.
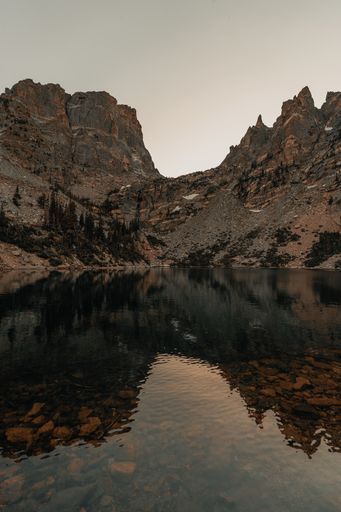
x=92, y=424
x=62, y=432
x=324, y=401
x=35, y=409
x=19, y=435
x=46, y=428
x=125, y=467
x=84, y=413
x=301, y=383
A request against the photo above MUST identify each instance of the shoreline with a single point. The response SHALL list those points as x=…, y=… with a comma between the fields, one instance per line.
x=120, y=268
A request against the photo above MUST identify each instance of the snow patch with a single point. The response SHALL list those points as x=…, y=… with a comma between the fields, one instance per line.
x=176, y=209
x=311, y=186
x=328, y=128
x=125, y=186
x=190, y=197
x=255, y=211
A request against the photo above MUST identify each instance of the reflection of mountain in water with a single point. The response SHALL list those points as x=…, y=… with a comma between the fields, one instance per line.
x=80, y=346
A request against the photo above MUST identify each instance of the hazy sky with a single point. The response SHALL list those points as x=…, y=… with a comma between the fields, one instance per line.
x=197, y=71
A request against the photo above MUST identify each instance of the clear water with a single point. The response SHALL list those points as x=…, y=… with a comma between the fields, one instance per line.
x=171, y=390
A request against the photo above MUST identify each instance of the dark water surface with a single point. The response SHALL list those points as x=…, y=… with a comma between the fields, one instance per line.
x=170, y=390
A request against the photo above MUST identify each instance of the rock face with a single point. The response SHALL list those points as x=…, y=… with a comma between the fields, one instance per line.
x=58, y=136
x=79, y=147
x=274, y=200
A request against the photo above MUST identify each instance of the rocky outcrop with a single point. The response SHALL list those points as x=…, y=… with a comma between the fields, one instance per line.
x=58, y=136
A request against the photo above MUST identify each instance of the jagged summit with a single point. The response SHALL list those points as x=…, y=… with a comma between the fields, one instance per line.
x=305, y=97
x=259, y=123
x=298, y=126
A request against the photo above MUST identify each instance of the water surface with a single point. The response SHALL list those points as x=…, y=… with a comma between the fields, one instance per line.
x=170, y=390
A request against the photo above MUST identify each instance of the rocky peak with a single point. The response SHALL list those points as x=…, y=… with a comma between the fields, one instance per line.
x=265, y=152
x=47, y=130
x=298, y=115
x=331, y=109
x=303, y=102
x=45, y=101
x=259, y=123
x=305, y=98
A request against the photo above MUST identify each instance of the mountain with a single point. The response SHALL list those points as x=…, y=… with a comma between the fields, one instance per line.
x=273, y=201
x=78, y=187
x=77, y=147
x=77, y=140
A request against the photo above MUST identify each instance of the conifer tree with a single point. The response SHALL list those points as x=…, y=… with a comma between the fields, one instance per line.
x=17, y=197
x=81, y=221
x=89, y=225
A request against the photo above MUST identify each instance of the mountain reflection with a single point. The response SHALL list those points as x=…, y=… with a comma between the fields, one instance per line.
x=76, y=349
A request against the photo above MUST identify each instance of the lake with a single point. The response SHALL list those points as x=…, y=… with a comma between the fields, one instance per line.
x=170, y=390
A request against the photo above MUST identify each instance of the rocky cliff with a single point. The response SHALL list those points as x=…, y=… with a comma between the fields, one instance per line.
x=75, y=148
x=273, y=201
x=78, y=141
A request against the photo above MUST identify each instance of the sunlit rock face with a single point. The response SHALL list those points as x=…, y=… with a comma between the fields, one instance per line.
x=51, y=133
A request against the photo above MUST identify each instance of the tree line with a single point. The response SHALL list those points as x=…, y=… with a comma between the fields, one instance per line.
x=62, y=216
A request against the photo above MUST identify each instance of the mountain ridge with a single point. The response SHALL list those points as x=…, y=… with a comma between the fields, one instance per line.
x=273, y=201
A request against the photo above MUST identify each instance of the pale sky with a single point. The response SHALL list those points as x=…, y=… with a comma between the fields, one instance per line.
x=198, y=71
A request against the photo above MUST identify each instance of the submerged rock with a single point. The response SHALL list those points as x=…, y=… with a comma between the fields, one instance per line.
x=62, y=432
x=46, y=428
x=125, y=468
x=19, y=435
x=93, y=422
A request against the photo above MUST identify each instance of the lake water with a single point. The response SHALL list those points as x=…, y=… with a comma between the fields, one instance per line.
x=170, y=390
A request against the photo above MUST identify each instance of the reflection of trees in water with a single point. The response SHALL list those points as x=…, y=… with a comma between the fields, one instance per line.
x=107, y=329
x=211, y=314
x=251, y=312
x=62, y=302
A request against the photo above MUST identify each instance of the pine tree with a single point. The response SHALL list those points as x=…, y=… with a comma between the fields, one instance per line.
x=81, y=221
x=53, y=210
x=89, y=225
x=41, y=201
x=17, y=197
x=136, y=222
x=3, y=219
x=69, y=218
x=100, y=235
